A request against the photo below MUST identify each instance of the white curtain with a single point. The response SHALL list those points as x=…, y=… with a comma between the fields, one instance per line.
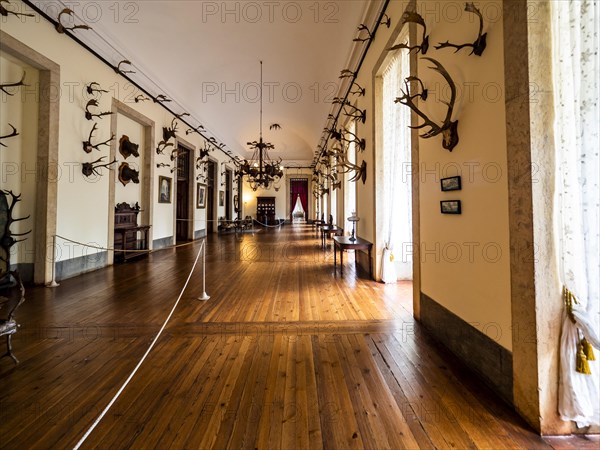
x=575, y=34
x=397, y=209
x=298, y=207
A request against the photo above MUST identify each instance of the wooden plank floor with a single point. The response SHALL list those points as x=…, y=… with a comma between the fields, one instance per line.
x=285, y=354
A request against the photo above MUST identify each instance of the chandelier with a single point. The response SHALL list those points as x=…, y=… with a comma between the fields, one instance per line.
x=261, y=171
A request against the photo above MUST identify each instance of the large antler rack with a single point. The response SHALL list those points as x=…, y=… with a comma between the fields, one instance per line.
x=5, y=12
x=11, y=134
x=21, y=82
x=93, y=167
x=89, y=115
x=88, y=146
x=61, y=28
x=121, y=71
x=449, y=128
x=478, y=46
x=414, y=17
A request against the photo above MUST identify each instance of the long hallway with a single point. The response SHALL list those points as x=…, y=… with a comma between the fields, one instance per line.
x=285, y=354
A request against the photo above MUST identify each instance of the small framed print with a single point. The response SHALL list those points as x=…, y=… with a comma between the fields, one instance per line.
x=221, y=198
x=450, y=207
x=164, y=189
x=451, y=184
x=200, y=196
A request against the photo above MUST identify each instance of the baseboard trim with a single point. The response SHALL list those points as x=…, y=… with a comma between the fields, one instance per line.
x=157, y=244
x=488, y=359
x=70, y=268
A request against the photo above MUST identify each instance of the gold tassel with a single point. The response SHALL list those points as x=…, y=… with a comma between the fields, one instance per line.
x=588, y=350
x=581, y=363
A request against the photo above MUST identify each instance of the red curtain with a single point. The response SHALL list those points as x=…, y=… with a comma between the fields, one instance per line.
x=299, y=186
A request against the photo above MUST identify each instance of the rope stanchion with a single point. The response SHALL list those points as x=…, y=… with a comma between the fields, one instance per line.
x=139, y=364
x=53, y=282
x=204, y=297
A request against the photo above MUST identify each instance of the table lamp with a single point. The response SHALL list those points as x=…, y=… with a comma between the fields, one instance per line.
x=353, y=218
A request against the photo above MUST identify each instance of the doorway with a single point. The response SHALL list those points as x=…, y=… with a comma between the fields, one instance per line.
x=228, y=188
x=298, y=192
x=182, y=228
x=210, y=199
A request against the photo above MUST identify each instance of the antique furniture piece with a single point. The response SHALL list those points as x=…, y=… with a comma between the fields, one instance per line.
x=9, y=326
x=344, y=243
x=327, y=231
x=129, y=236
x=265, y=210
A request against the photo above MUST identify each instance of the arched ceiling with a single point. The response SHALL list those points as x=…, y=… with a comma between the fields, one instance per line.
x=205, y=55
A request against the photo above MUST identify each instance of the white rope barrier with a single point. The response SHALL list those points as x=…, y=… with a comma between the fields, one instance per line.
x=152, y=344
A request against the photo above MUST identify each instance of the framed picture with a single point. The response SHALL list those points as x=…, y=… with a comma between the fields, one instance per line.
x=236, y=203
x=451, y=184
x=221, y=198
x=200, y=196
x=450, y=207
x=164, y=189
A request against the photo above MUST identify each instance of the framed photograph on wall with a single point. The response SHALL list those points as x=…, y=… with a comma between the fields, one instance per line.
x=221, y=198
x=164, y=189
x=200, y=196
x=451, y=184
x=450, y=207
x=236, y=203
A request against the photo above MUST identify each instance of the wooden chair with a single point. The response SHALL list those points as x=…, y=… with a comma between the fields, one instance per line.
x=9, y=326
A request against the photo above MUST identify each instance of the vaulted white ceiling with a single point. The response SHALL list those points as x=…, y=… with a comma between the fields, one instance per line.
x=205, y=55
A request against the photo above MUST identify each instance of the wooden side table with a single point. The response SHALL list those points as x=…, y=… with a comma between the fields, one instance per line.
x=327, y=231
x=344, y=243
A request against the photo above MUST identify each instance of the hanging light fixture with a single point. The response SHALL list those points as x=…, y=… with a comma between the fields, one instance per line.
x=261, y=171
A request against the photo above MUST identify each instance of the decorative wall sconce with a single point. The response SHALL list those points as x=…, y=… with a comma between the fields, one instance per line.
x=88, y=146
x=90, y=115
x=11, y=134
x=21, y=82
x=448, y=129
x=61, y=28
x=478, y=46
x=414, y=17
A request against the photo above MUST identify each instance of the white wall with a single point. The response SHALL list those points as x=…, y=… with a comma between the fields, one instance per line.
x=82, y=204
x=18, y=160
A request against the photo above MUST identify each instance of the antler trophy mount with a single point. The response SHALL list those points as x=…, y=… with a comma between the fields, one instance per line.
x=478, y=46
x=449, y=128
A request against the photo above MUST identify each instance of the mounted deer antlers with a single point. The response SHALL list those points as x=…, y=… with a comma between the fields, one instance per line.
x=414, y=17
x=140, y=98
x=356, y=113
x=12, y=134
x=480, y=43
x=347, y=73
x=346, y=167
x=162, y=146
x=60, y=26
x=448, y=129
x=21, y=82
x=195, y=130
x=169, y=132
x=8, y=240
x=5, y=12
x=92, y=168
x=90, y=115
x=88, y=146
x=161, y=98
x=360, y=90
x=118, y=69
x=92, y=89
x=363, y=27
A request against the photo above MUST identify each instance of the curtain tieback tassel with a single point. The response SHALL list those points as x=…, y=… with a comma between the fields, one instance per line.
x=588, y=350
x=581, y=364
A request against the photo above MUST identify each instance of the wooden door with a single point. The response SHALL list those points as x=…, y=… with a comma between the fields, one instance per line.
x=183, y=196
x=210, y=198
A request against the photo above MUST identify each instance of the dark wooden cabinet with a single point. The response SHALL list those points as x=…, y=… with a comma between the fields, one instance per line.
x=128, y=234
x=265, y=210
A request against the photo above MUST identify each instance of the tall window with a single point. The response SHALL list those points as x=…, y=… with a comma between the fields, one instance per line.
x=577, y=114
x=350, y=186
x=396, y=208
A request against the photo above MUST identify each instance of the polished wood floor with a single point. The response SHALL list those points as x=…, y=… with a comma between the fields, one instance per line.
x=285, y=354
